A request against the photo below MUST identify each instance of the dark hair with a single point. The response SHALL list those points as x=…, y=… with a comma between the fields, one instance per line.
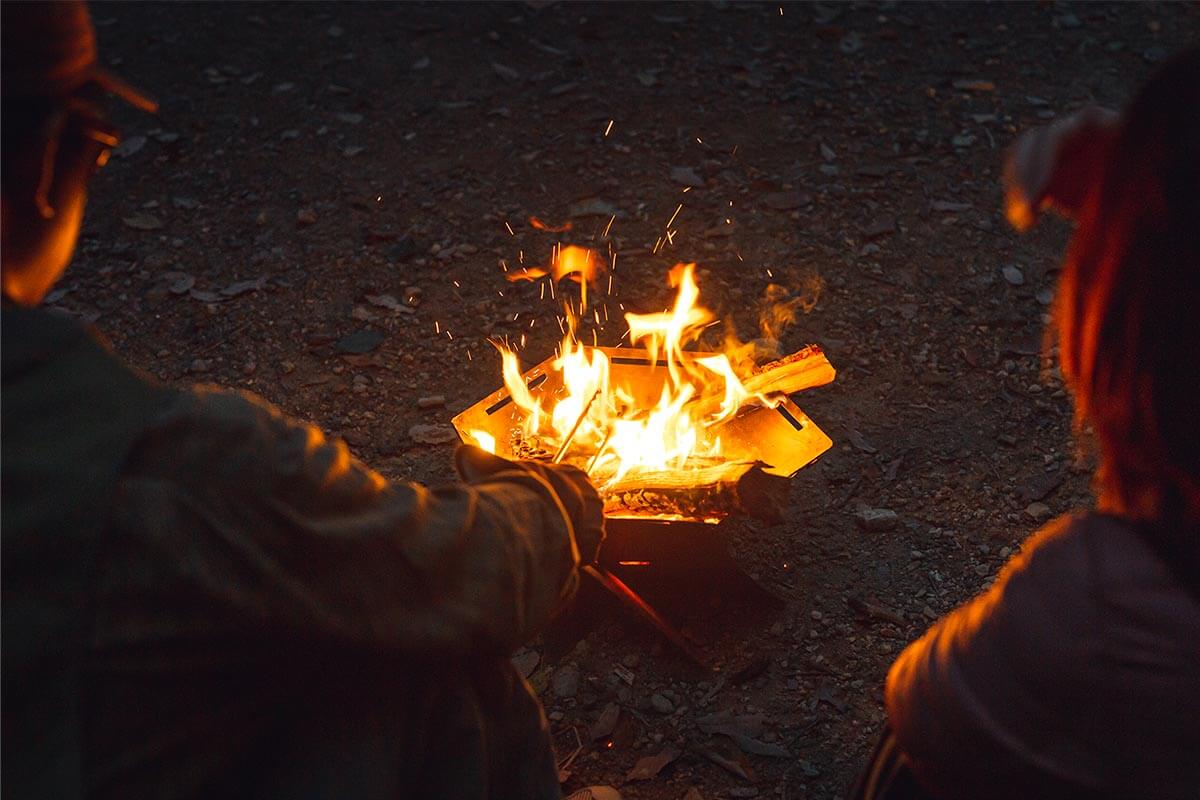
x=1128, y=309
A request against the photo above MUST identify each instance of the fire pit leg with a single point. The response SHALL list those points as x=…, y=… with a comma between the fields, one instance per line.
x=632, y=600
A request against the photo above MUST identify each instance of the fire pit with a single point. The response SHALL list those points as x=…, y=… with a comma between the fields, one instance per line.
x=758, y=442
x=672, y=439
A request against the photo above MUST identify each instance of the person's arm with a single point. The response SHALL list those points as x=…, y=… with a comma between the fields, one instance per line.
x=279, y=532
x=995, y=695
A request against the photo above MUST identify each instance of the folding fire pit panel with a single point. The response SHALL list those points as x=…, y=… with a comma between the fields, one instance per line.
x=782, y=437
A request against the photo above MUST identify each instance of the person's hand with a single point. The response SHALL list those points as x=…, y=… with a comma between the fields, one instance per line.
x=1055, y=166
x=574, y=490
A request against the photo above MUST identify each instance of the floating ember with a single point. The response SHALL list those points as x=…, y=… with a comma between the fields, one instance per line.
x=664, y=432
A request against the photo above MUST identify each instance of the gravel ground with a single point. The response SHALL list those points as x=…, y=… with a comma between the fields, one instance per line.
x=328, y=189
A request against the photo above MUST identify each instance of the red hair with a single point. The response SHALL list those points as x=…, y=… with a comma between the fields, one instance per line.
x=1128, y=307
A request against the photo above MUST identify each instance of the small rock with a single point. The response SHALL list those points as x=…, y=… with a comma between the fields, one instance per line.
x=661, y=703
x=143, y=222
x=1038, y=511
x=982, y=570
x=361, y=341
x=687, y=176
x=827, y=152
x=306, y=216
x=433, y=401
x=199, y=366
x=433, y=434
x=129, y=146
x=1013, y=274
x=350, y=118
x=352, y=150
x=877, y=520
x=884, y=226
x=185, y=203
x=786, y=201
x=1045, y=296
x=508, y=73
x=593, y=207
x=565, y=681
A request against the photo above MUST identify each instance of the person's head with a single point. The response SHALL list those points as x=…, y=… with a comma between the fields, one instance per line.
x=54, y=138
x=1127, y=313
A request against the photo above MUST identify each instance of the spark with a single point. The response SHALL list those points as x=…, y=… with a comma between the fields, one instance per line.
x=532, y=321
x=769, y=274
x=687, y=189
x=676, y=214
x=606, y=312
x=511, y=232
x=523, y=340
x=671, y=237
x=733, y=152
x=613, y=268
x=596, y=314
x=520, y=256
x=504, y=265
x=781, y=11
x=728, y=221
x=500, y=293
x=450, y=335
x=543, y=297
x=437, y=326
x=469, y=357
x=739, y=256
x=610, y=283
x=623, y=335
x=379, y=199
x=699, y=140
x=456, y=286
x=608, y=226
x=608, y=129
x=551, y=288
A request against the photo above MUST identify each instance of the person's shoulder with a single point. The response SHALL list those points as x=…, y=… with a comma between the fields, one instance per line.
x=1105, y=549
x=213, y=431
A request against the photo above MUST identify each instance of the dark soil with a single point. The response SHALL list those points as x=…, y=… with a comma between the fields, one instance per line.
x=308, y=157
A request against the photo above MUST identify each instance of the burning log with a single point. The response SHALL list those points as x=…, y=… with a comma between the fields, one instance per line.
x=706, y=492
x=804, y=369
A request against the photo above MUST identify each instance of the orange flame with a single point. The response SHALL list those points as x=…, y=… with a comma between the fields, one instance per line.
x=614, y=433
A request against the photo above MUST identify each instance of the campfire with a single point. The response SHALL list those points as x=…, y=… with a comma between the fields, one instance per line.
x=664, y=432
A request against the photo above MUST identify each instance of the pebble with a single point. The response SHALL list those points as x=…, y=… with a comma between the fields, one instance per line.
x=432, y=434
x=433, y=401
x=565, y=681
x=306, y=216
x=877, y=520
x=1012, y=274
x=661, y=703
x=1038, y=511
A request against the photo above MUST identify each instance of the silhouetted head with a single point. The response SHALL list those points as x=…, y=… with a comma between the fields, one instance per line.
x=1128, y=306
x=54, y=138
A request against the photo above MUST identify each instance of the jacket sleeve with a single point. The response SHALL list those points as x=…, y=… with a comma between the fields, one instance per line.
x=989, y=698
x=260, y=526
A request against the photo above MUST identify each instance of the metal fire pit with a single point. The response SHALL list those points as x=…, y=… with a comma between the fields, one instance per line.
x=783, y=437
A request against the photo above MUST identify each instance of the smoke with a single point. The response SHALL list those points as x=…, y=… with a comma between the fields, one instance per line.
x=780, y=305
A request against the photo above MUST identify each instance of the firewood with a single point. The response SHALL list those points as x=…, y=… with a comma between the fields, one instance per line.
x=804, y=369
x=705, y=492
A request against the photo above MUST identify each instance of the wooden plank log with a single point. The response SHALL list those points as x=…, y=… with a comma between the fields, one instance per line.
x=706, y=492
x=804, y=369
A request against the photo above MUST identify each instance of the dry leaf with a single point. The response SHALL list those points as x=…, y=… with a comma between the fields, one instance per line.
x=649, y=766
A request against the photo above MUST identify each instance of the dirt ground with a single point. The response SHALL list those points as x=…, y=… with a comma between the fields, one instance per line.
x=319, y=215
